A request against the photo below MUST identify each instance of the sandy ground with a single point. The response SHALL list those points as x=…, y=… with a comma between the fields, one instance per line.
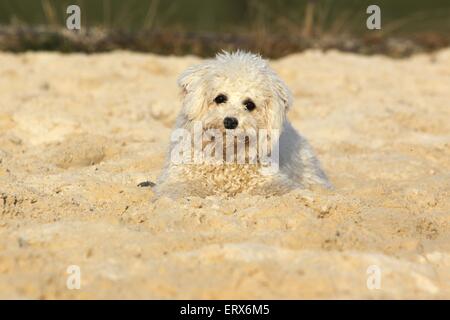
x=78, y=133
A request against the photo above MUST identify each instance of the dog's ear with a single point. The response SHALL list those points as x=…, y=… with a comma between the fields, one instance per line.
x=192, y=76
x=192, y=84
x=280, y=103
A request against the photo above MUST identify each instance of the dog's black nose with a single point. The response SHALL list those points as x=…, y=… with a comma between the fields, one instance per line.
x=230, y=123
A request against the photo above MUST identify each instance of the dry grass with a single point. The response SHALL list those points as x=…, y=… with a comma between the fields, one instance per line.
x=319, y=24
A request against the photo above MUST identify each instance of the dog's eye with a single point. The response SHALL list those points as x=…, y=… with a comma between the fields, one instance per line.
x=221, y=98
x=249, y=104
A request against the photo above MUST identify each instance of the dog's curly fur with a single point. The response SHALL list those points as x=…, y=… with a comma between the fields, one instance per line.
x=240, y=76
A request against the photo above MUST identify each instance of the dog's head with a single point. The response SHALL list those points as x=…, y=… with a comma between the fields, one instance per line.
x=234, y=90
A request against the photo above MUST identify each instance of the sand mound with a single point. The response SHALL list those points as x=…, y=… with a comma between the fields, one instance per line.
x=79, y=132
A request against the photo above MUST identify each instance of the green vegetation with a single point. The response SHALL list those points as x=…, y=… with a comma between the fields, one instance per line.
x=273, y=27
x=233, y=15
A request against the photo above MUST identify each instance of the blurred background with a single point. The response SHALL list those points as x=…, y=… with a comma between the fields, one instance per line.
x=274, y=28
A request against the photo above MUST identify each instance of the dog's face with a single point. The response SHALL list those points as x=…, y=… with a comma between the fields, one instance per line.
x=234, y=91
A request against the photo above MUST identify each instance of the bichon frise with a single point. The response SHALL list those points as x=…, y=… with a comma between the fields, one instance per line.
x=234, y=106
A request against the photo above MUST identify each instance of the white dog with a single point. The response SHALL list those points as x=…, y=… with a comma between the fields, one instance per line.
x=236, y=91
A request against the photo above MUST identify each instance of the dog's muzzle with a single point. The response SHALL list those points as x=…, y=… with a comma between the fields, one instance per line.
x=230, y=123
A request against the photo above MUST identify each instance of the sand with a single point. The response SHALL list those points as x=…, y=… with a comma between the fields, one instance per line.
x=79, y=132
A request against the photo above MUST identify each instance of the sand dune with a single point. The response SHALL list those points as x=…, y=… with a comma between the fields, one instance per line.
x=79, y=132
